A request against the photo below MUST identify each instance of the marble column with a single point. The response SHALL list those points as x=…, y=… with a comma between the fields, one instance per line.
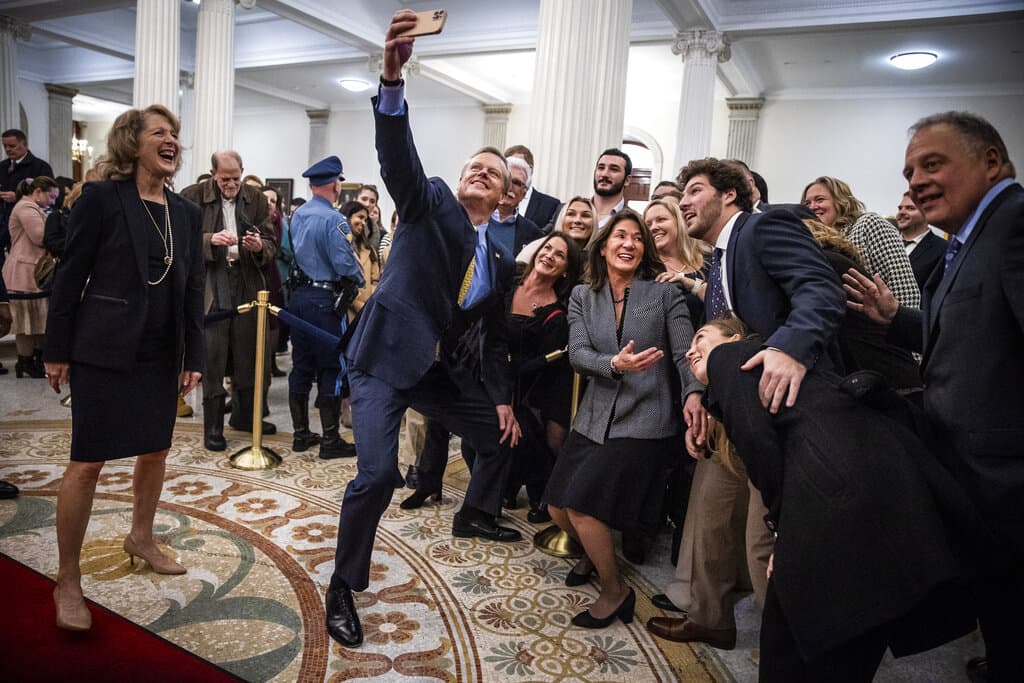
x=702, y=50
x=215, y=80
x=318, y=120
x=157, y=53
x=744, y=113
x=496, y=124
x=61, y=129
x=579, y=92
x=191, y=166
x=11, y=31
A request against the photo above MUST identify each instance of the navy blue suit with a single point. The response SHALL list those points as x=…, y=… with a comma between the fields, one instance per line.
x=414, y=346
x=542, y=210
x=925, y=255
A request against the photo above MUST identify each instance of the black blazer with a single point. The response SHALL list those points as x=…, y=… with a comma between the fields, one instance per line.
x=926, y=254
x=970, y=328
x=98, y=306
x=542, y=210
x=414, y=312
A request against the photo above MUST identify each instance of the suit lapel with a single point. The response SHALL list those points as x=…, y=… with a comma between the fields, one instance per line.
x=137, y=222
x=730, y=259
x=182, y=242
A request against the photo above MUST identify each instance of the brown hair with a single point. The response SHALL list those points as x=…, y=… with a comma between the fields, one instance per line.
x=723, y=176
x=848, y=207
x=122, y=155
x=718, y=443
x=597, y=267
x=496, y=152
x=573, y=262
x=30, y=185
x=521, y=150
x=831, y=239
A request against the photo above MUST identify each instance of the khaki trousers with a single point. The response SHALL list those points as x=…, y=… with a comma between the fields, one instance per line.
x=725, y=516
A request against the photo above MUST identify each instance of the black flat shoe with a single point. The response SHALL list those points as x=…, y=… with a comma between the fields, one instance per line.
x=412, y=477
x=416, y=500
x=342, y=620
x=482, y=528
x=624, y=612
x=662, y=602
x=573, y=578
x=8, y=490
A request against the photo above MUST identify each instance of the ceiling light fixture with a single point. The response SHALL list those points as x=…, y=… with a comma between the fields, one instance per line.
x=353, y=84
x=910, y=61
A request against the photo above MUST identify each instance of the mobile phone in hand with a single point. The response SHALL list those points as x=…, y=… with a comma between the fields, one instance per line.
x=428, y=23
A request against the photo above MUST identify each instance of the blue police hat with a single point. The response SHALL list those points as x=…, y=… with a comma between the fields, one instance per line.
x=324, y=171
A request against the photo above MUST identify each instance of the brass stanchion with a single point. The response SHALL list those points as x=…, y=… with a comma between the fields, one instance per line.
x=553, y=541
x=257, y=456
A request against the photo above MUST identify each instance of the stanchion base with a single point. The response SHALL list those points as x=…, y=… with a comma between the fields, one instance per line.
x=253, y=458
x=555, y=542
x=66, y=401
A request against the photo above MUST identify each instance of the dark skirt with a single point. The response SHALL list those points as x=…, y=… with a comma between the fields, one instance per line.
x=121, y=414
x=612, y=481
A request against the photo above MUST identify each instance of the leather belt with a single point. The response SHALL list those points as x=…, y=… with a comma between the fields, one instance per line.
x=325, y=284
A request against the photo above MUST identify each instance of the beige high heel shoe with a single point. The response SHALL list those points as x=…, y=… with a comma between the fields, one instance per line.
x=72, y=615
x=158, y=562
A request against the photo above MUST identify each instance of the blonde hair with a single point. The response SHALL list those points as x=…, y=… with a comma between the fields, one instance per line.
x=832, y=240
x=565, y=208
x=690, y=251
x=122, y=157
x=848, y=207
x=72, y=196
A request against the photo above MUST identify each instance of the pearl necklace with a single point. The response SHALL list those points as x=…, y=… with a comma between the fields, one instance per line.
x=166, y=237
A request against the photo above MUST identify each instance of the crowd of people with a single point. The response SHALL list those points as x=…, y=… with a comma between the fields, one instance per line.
x=799, y=382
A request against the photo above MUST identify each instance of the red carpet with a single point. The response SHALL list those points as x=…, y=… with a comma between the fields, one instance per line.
x=33, y=649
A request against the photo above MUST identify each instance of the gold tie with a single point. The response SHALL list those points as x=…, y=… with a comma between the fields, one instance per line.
x=466, y=280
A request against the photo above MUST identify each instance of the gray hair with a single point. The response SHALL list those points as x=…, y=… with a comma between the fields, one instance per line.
x=516, y=162
x=976, y=133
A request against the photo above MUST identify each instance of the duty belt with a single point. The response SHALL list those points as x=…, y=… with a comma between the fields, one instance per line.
x=325, y=284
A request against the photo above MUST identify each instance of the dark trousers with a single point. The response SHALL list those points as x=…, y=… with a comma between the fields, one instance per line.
x=853, y=662
x=377, y=409
x=231, y=348
x=1000, y=609
x=313, y=359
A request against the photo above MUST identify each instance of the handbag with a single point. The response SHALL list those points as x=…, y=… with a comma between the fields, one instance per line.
x=44, y=271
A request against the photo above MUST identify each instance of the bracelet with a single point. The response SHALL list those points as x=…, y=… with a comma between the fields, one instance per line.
x=615, y=372
x=391, y=83
x=697, y=284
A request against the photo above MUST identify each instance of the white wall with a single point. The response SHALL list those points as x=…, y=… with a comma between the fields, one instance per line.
x=273, y=143
x=861, y=141
x=36, y=102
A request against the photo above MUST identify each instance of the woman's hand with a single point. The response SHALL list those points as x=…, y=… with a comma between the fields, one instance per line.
x=57, y=374
x=627, y=361
x=189, y=381
x=696, y=418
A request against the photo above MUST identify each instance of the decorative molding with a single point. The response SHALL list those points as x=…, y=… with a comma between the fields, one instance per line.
x=702, y=42
x=60, y=90
x=496, y=109
x=19, y=30
x=899, y=92
x=744, y=104
x=318, y=116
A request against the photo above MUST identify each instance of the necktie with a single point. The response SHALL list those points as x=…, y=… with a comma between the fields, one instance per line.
x=476, y=281
x=951, y=251
x=715, y=304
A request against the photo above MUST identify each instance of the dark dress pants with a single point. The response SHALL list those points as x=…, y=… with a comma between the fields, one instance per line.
x=312, y=359
x=377, y=409
x=1000, y=604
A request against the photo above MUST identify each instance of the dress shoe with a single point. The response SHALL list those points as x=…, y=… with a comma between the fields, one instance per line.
x=72, y=613
x=685, y=631
x=184, y=409
x=538, y=513
x=977, y=669
x=574, y=578
x=8, y=490
x=412, y=477
x=342, y=620
x=336, y=447
x=158, y=562
x=510, y=502
x=661, y=601
x=625, y=612
x=467, y=527
x=26, y=367
x=416, y=500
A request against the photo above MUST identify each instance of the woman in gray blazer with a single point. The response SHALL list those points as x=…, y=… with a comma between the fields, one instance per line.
x=629, y=335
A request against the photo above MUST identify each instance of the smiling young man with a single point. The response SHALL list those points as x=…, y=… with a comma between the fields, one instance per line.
x=431, y=337
x=923, y=246
x=611, y=176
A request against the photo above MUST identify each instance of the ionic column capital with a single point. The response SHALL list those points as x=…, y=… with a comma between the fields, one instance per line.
x=19, y=30
x=701, y=42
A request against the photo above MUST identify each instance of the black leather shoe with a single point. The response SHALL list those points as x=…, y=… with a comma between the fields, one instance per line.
x=624, y=612
x=510, y=502
x=661, y=601
x=416, y=500
x=977, y=669
x=8, y=490
x=574, y=578
x=538, y=514
x=412, y=477
x=463, y=527
x=342, y=620
x=336, y=447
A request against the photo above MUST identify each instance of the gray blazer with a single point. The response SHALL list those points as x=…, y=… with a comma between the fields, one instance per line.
x=655, y=315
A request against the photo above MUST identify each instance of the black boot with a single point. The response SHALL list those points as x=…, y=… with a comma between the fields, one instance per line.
x=302, y=438
x=241, y=414
x=213, y=424
x=26, y=365
x=332, y=446
x=37, y=359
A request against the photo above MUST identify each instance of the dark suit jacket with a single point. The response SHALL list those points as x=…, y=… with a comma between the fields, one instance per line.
x=926, y=254
x=869, y=523
x=98, y=305
x=970, y=329
x=526, y=231
x=783, y=288
x=542, y=210
x=414, y=309
x=30, y=167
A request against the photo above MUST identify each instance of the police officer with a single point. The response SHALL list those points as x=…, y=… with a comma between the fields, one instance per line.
x=325, y=260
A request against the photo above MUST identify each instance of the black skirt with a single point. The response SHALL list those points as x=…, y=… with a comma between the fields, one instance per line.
x=612, y=481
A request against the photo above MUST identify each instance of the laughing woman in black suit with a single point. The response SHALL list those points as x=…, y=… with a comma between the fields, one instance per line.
x=125, y=326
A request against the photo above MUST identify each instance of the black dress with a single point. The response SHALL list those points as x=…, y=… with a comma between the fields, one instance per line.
x=121, y=414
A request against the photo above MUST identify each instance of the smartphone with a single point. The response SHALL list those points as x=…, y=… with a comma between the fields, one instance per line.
x=428, y=23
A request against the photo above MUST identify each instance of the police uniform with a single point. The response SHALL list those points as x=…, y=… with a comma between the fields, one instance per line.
x=325, y=258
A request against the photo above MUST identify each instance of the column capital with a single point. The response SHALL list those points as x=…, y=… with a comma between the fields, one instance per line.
x=702, y=42
x=497, y=109
x=740, y=104
x=246, y=4
x=318, y=116
x=19, y=30
x=60, y=90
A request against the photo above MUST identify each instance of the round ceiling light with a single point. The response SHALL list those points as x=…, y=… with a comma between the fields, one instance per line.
x=913, y=60
x=353, y=84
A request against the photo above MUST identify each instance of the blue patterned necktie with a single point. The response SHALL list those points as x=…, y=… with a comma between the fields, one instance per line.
x=715, y=304
x=951, y=251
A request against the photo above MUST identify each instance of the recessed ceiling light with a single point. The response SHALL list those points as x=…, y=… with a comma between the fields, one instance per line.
x=353, y=84
x=913, y=60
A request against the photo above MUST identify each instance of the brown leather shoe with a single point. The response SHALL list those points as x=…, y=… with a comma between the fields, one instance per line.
x=686, y=631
